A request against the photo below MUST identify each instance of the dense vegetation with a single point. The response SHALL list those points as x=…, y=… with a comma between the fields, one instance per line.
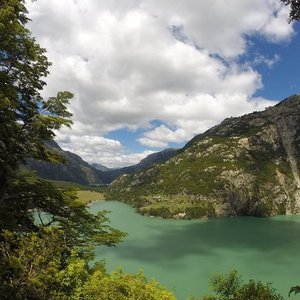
x=46, y=234
x=232, y=287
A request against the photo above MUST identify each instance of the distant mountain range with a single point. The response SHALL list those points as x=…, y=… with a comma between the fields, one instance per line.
x=77, y=170
x=148, y=161
x=247, y=165
x=74, y=170
x=100, y=167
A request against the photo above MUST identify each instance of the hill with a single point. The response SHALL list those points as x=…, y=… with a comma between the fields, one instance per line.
x=247, y=165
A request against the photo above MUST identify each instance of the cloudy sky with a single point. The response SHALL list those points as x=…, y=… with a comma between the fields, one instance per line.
x=151, y=74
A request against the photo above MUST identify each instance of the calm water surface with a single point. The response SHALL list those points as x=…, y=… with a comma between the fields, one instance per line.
x=183, y=254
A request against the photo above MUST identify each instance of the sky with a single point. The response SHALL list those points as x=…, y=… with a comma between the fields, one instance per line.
x=151, y=74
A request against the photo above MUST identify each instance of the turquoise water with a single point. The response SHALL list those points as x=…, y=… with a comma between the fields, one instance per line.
x=183, y=254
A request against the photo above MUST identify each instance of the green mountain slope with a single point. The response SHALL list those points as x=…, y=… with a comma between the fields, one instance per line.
x=245, y=166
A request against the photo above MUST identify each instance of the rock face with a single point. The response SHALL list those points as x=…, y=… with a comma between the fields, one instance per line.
x=244, y=166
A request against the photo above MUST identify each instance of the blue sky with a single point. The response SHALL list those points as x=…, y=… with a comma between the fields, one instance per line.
x=283, y=78
x=151, y=74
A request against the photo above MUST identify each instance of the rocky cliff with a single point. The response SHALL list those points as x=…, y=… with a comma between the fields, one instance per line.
x=244, y=166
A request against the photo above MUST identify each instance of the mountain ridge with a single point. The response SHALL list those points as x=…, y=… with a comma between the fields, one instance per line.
x=76, y=170
x=149, y=160
x=246, y=165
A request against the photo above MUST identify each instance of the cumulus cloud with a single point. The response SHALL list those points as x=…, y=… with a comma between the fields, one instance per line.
x=131, y=62
x=156, y=142
x=108, y=152
x=221, y=26
x=190, y=121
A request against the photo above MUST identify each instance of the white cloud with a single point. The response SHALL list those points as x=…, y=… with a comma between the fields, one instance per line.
x=276, y=28
x=163, y=133
x=221, y=26
x=130, y=62
x=124, y=159
x=153, y=143
x=268, y=61
x=95, y=149
x=199, y=114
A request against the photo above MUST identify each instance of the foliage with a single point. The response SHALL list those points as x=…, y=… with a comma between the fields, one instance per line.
x=26, y=120
x=36, y=197
x=232, y=287
x=295, y=290
x=295, y=9
x=46, y=234
x=42, y=266
x=71, y=186
x=30, y=264
x=122, y=286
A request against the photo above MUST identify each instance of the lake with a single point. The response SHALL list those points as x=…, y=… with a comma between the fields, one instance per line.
x=182, y=254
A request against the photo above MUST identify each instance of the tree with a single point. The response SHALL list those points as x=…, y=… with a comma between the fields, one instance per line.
x=46, y=235
x=294, y=9
x=26, y=121
x=232, y=287
x=25, y=118
x=42, y=267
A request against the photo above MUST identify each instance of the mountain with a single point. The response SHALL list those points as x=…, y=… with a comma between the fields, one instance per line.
x=75, y=169
x=246, y=165
x=150, y=160
x=100, y=167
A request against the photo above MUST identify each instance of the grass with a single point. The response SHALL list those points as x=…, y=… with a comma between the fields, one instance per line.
x=89, y=196
x=67, y=185
x=85, y=193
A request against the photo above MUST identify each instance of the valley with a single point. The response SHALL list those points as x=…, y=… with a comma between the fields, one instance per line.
x=245, y=166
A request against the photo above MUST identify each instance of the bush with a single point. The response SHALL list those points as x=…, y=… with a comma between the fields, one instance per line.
x=232, y=287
